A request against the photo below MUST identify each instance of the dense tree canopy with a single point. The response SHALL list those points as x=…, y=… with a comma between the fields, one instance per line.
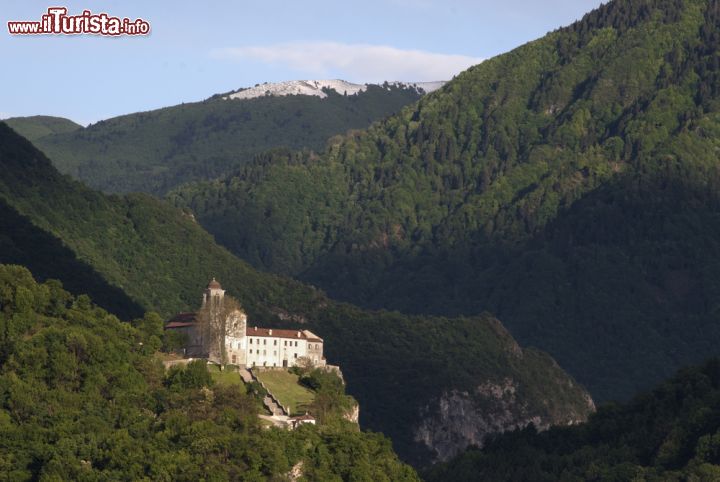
x=38, y=126
x=82, y=397
x=148, y=252
x=569, y=187
x=669, y=434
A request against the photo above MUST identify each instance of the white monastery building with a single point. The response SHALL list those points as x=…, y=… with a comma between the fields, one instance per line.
x=219, y=332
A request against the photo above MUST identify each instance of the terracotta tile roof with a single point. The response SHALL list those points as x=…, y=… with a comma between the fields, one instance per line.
x=179, y=324
x=312, y=336
x=303, y=417
x=214, y=285
x=181, y=320
x=278, y=333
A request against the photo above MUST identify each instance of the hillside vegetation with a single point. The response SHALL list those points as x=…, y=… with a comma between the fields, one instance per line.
x=157, y=150
x=24, y=243
x=669, y=434
x=83, y=398
x=35, y=127
x=569, y=187
x=397, y=366
x=285, y=386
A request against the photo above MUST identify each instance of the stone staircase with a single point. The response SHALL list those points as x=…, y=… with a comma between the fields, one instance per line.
x=273, y=406
x=246, y=375
x=269, y=400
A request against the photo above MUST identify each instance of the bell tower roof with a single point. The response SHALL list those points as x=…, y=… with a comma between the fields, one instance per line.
x=214, y=285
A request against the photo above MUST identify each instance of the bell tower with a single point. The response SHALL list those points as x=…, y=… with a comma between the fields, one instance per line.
x=213, y=295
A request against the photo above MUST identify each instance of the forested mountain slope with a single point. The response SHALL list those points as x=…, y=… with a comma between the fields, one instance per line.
x=400, y=368
x=37, y=126
x=82, y=397
x=569, y=186
x=23, y=243
x=157, y=150
x=669, y=434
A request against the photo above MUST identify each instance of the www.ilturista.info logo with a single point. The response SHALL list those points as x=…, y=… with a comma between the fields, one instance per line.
x=57, y=21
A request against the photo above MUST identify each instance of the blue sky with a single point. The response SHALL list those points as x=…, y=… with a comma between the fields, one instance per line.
x=197, y=48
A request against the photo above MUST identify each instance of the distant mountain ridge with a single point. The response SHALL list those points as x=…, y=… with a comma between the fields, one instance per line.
x=158, y=150
x=39, y=126
x=317, y=88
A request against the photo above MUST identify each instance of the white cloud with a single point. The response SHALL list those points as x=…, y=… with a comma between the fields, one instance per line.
x=356, y=62
x=5, y=115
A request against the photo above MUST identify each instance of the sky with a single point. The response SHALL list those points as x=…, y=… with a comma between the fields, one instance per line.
x=197, y=49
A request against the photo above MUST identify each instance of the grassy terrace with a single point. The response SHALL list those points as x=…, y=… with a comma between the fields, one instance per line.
x=225, y=377
x=286, y=388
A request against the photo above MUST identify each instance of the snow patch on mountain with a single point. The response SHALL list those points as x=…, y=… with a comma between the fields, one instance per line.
x=317, y=87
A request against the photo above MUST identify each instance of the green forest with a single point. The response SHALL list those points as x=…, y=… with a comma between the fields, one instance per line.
x=669, y=434
x=142, y=254
x=569, y=187
x=157, y=150
x=82, y=397
x=557, y=202
x=36, y=127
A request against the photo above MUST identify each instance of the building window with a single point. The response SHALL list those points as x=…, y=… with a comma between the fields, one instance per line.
x=295, y=355
x=285, y=342
x=275, y=342
x=251, y=351
x=295, y=343
x=251, y=341
x=274, y=352
x=264, y=352
x=264, y=342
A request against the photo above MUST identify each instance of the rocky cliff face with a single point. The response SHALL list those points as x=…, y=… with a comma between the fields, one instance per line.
x=459, y=419
x=353, y=415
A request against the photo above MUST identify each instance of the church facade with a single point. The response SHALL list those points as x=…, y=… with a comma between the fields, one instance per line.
x=219, y=331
